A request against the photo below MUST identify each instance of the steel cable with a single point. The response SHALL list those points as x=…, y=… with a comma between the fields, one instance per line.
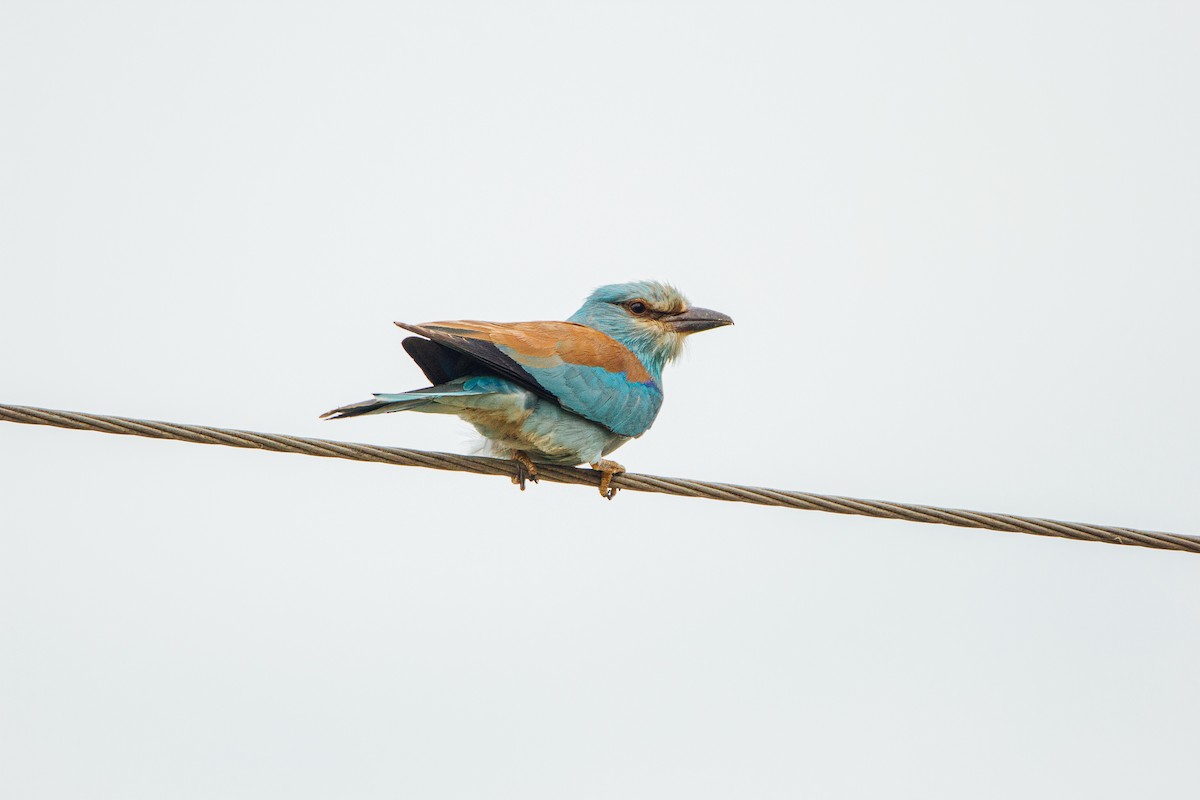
x=280, y=443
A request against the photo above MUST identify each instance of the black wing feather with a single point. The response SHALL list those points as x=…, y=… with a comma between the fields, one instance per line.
x=471, y=357
x=441, y=364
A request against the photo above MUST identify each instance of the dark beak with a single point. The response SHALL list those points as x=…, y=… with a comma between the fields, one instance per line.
x=697, y=319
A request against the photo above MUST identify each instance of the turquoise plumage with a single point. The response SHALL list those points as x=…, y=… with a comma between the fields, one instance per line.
x=553, y=392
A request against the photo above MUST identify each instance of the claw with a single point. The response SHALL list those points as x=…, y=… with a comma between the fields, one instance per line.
x=525, y=469
x=607, y=470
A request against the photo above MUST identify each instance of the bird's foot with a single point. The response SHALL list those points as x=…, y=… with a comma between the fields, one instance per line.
x=525, y=469
x=607, y=469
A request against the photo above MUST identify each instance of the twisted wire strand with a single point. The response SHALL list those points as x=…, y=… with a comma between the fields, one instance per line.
x=280, y=443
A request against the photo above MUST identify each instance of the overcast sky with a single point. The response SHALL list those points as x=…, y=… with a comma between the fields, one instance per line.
x=960, y=243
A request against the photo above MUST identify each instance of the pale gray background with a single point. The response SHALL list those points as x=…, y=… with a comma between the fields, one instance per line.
x=960, y=242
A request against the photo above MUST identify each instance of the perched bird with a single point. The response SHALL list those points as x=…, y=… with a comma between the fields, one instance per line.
x=553, y=392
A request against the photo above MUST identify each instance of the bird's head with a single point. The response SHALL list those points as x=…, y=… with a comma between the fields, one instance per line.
x=652, y=319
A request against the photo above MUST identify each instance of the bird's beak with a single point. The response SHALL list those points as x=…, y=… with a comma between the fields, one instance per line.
x=697, y=319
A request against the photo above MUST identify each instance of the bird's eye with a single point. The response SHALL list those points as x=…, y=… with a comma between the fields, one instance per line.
x=637, y=307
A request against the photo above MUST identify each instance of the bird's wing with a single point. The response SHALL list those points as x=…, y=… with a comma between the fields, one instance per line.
x=583, y=370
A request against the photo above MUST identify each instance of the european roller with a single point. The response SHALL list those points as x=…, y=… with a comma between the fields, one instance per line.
x=553, y=392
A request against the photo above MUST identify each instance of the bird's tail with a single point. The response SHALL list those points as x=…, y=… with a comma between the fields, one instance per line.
x=416, y=400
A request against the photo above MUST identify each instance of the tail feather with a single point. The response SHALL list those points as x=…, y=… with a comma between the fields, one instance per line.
x=372, y=406
x=406, y=401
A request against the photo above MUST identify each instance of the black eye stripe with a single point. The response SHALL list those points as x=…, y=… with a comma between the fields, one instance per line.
x=646, y=310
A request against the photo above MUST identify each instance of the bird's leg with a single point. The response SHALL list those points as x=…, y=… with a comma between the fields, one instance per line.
x=525, y=468
x=607, y=469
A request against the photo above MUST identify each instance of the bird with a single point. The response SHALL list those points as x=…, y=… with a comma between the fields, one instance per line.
x=564, y=393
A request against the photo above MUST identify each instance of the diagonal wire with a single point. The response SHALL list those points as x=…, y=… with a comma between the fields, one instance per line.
x=280, y=443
